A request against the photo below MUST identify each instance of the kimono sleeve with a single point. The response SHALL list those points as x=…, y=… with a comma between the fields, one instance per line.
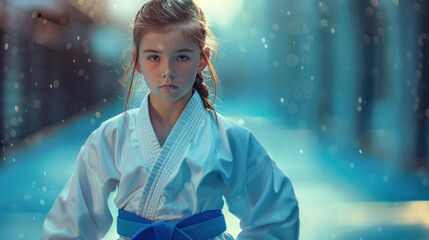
x=81, y=210
x=263, y=198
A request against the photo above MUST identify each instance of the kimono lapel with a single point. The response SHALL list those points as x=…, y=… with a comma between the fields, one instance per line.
x=146, y=136
x=162, y=161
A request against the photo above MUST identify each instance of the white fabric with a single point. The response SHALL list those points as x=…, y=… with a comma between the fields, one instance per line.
x=200, y=162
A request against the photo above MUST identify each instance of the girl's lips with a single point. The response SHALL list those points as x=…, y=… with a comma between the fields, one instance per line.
x=168, y=87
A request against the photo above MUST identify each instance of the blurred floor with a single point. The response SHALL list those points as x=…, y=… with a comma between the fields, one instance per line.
x=342, y=193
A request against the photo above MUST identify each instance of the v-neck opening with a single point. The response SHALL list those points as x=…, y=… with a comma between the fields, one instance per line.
x=153, y=128
x=151, y=148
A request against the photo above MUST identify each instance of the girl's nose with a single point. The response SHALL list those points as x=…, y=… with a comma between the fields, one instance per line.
x=168, y=71
x=168, y=75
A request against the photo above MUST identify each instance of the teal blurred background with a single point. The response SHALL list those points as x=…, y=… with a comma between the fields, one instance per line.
x=336, y=90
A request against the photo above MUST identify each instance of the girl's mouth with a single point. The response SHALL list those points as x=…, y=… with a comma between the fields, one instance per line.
x=168, y=87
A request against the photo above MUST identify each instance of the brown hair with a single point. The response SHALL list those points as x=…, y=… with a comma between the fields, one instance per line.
x=167, y=14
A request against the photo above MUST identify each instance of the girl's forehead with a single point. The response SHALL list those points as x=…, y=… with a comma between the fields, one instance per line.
x=160, y=40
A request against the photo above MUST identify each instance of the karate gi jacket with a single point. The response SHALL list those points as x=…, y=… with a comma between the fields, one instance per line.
x=201, y=161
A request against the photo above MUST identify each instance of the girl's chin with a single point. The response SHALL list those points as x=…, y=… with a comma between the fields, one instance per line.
x=171, y=96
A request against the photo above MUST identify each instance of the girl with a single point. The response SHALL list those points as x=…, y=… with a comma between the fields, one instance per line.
x=173, y=159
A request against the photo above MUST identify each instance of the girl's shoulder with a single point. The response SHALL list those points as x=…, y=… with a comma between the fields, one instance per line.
x=228, y=127
x=119, y=120
x=117, y=125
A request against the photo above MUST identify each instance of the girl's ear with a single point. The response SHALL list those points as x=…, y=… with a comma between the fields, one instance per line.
x=139, y=69
x=203, y=62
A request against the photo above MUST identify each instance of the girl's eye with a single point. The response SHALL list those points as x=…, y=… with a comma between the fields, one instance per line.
x=153, y=58
x=182, y=58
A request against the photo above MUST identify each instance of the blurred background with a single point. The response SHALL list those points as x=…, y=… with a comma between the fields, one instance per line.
x=336, y=90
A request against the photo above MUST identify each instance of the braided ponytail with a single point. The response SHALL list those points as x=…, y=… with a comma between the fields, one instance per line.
x=203, y=90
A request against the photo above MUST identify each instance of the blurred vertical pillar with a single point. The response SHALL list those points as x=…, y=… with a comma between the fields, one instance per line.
x=365, y=87
x=345, y=34
x=326, y=68
x=292, y=34
x=410, y=76
x=13, y=51
x=2, y=59
x=422, y=74
x=390, y=102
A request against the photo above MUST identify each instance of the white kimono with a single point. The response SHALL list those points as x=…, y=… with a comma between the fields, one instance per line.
x=200, y=162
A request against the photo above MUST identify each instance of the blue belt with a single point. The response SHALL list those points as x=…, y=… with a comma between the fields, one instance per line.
x=200, y=226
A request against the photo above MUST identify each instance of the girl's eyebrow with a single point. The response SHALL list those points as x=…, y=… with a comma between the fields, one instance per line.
x=185, y=50
x=179, y=51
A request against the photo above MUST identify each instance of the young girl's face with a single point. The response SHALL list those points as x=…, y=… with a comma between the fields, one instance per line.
x=169, y=64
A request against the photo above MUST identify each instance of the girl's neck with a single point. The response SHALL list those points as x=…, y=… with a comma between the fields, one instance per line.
x=164, y=113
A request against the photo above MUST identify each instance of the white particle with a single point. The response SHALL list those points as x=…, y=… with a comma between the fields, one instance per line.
x=27, y=197
x=385, y=179
x=266, y=46
x=188, y=186
x=275, y=27
x=44, y=172
x=359, y=108
x=78, y=38
x=44, y=189
x=253, y=31
x=241, y=121
x=300, y=150
x=275, y=63
x=56, y=84
x=263, y=40
x=360, y=151
x=42, y=202
x=114, y=5
x=282, y=100
x=324, y=23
